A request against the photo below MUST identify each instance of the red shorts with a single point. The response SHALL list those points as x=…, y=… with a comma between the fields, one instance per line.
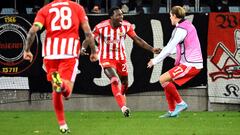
x=67, y=68
x=181, y=74
x=119, y=65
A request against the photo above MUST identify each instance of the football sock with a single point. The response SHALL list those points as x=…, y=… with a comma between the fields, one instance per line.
x=172, y=90
x=58, y=107
x=117, y=92
x=124, y=108
x=124, y=90
x=181, y=103
x=66, y=90
x=170, y=100
x=64, y=126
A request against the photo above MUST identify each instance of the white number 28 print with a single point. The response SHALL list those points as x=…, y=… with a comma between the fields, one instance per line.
x=64, y=15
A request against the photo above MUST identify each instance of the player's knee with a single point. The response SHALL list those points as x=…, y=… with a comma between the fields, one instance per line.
x=114, y=80
x=161, y=80
x=164, y=84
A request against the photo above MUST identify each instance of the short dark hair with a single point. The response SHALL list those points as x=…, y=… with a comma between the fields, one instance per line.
x=111, y=11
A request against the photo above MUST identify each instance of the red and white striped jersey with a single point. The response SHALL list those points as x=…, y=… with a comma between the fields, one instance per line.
x=61, y=19
x=111, y=40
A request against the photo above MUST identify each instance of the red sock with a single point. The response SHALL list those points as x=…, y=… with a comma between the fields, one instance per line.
x=170, y=100
x=124, y=88
x=123, y=91
x=117, y=92
x=66, y=90
x=58, y=107
x=172, y=90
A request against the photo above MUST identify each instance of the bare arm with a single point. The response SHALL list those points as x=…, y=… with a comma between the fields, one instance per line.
x=141, y=43
x=30, y=37
x=84, y=48
x=89, y=36
x=89, y=40
x=27, y=55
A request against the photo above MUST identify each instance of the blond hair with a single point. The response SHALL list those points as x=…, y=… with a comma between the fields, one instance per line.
x=178, y=11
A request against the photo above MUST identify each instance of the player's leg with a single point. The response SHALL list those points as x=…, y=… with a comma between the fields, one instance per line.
x=116, y=87
x=115, y=84
x=51, y=67
x=62, y=80
x=67, y=88
x=59, y=106
x=59, y=111
x=122, y=72
x=181, y=78
x=58, y=101
x=170, y=101
x=169, y=87
x=180, y=74
x=60, y=85
x=124, y=86
x=68, y=69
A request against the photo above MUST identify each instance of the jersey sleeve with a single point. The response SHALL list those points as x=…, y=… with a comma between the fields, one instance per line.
x=82, y=14
x=131, y=33
x=40, y=18
x=96, y=32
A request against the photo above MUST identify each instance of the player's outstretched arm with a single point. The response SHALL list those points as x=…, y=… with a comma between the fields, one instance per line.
x=150, y=64
x=141, y=43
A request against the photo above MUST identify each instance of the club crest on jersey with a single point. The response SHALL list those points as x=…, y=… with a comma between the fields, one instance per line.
x=121, y=34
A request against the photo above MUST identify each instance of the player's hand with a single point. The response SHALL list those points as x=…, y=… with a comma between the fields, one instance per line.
x=93, y=57
x=156, y=50
x=150, y=64
x=27, y=55
x=83, y=51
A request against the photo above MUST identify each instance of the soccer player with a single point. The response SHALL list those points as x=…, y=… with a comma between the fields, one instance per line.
x=110, y=35
x=61, y=19
x=188, y=63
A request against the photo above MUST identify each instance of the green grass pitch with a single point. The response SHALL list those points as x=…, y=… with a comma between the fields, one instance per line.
x=113, y=123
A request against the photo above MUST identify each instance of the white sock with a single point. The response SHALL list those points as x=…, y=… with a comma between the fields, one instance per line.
x=181, y=103
x=64, y=126
x=124, y=108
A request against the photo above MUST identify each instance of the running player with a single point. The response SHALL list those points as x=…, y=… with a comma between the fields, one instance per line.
x=61, y=19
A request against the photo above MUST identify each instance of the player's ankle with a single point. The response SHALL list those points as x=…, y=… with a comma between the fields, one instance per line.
x=124, y=108
x=64, y=126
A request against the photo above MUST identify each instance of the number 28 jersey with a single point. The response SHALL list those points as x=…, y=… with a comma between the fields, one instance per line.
x=61, y=19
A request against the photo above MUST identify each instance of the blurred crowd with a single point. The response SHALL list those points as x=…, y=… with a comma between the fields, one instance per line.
x=102, y=6
x=96, y=6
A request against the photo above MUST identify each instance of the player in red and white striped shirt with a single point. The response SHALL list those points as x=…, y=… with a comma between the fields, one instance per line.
x=110, y=35
x=61, y=19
